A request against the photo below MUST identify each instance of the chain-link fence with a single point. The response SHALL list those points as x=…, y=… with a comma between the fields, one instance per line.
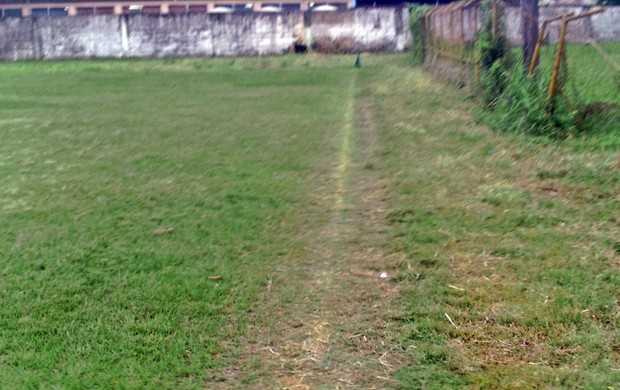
x=450, y=32
x=584, y=70
x=577, y=52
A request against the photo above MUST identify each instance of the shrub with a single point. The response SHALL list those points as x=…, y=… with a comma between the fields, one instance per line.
x=513, y=100
x=492, y=54
x=524, y=107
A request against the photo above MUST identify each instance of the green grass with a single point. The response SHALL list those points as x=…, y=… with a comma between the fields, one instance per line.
x=593, y=77
x=126, y=187
x=515, y=240
x=144, y=205
x=587, y=102
x=589, y=75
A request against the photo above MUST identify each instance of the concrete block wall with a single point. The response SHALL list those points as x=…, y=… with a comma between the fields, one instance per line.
x=16, y=39
x=363, y=29
x=101, y=36
x=604, y=26
x=600, y=27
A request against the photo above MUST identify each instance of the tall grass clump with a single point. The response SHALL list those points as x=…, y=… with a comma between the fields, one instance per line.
x=524, y=107
x=512, y=100
x=492, y=54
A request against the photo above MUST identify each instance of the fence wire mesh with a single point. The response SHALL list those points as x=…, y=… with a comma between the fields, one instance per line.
x=450, y=32
x=582, y=68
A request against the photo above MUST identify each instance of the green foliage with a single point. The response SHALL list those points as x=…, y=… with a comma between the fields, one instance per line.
x=492, y=84
x=417, y=12
x=492, y=54
x=524, y=107
x=490, y=49
x=608, y=2
x=514, y=101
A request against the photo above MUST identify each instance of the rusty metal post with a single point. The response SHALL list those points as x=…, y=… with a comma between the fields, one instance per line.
x=558, y=58
x=566, y=19
x=541, y=36
x=539, y=42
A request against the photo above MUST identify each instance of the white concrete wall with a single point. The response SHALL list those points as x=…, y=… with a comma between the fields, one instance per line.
x=600, y=27
x=380, y=29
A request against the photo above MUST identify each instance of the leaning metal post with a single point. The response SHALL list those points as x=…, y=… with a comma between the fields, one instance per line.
x=558, y=58
x=541, y=36
x=566, y=19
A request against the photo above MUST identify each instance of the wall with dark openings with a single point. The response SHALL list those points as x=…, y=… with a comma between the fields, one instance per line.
x=251, y=34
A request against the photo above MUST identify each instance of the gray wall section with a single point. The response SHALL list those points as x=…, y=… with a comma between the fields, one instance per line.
x=600, y=27
x=17, y=38
x=363, y=29
x=382, y=29
x=86, y=37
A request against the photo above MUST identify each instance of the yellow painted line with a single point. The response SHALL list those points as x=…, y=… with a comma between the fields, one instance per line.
x=344, y=154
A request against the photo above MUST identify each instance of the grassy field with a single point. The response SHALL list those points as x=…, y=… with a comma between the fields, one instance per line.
x=143, y=203
x=592, y=77
x=147, y=205
x=597, y=76
x=509, y=246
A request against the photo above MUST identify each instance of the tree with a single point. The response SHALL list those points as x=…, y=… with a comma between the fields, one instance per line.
x=529, y=12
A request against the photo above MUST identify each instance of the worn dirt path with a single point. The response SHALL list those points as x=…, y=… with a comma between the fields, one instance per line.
x=332, y=328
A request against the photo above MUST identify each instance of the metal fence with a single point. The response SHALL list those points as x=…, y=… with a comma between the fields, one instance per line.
x=579, y=65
